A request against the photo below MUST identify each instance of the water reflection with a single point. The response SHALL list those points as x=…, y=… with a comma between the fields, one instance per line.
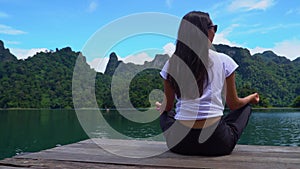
x=35, y=130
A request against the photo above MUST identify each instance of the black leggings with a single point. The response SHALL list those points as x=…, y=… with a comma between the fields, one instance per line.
x=215, y=140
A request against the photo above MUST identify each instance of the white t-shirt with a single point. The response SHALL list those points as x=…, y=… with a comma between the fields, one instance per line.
x=212, y=102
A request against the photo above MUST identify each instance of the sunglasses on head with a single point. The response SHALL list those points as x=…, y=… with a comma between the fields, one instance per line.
x=213, y=26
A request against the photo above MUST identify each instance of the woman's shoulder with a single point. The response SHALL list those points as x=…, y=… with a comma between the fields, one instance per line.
x=221, y=56
x=226, y=61
x=218, y=54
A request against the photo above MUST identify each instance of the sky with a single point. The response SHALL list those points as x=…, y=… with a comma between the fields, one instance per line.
x=30, y=26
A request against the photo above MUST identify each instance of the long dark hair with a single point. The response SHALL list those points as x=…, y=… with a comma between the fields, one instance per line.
x=189, y=62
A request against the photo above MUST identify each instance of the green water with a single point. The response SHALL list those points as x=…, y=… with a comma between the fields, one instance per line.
x=24, y=131
x=35, y=130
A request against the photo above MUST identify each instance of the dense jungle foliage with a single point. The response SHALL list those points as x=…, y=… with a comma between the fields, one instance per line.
x=45, y=80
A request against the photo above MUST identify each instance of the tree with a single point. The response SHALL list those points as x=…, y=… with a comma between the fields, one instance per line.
x=296, y=102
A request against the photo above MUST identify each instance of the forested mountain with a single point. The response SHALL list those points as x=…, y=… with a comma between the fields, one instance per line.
x=42, y=81
x=276, y=78
x=45, y=80
x=5, y=55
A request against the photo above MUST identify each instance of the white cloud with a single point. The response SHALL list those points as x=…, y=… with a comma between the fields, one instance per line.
x=92, y=6
x=139, y=58
x=249, y=5
x=99, y=64
x=287, y=48
x=258, y=50
x=169, y=48
x=25, y=53
x=221, y=38
x=4, y=29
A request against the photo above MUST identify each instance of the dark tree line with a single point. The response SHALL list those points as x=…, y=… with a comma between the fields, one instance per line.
x=45, y=80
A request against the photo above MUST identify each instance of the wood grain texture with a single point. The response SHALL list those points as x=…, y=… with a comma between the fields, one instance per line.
x=87, y=154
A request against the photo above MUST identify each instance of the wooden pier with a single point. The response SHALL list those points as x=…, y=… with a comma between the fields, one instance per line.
x=87, y=154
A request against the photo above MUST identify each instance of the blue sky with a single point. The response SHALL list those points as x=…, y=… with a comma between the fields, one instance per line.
x=27, y=26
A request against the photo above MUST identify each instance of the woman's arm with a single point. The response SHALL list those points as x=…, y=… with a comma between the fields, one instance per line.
x=232, y=99
x=168, y=101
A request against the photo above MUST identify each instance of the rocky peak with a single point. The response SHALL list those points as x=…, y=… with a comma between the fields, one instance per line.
x=159, y=60
x=271, y=56
x=5, y=55
x=1, y=45
x=112, y=64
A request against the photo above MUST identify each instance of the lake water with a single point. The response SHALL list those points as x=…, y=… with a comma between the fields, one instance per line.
x=24, y=131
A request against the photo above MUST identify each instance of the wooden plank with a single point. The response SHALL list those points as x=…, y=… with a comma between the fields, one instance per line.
x=8, y=167
x=49, y=164
x=94, y=155
x=88, y=153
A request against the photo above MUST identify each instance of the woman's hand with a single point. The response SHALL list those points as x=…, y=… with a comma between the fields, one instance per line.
x=255, y=98
x=233, y=101
x=158, y=106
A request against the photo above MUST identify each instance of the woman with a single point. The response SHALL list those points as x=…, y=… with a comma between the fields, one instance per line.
x=195, y=76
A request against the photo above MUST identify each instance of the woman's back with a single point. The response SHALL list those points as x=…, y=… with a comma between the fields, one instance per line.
x=196, y=77
x=211, y=102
